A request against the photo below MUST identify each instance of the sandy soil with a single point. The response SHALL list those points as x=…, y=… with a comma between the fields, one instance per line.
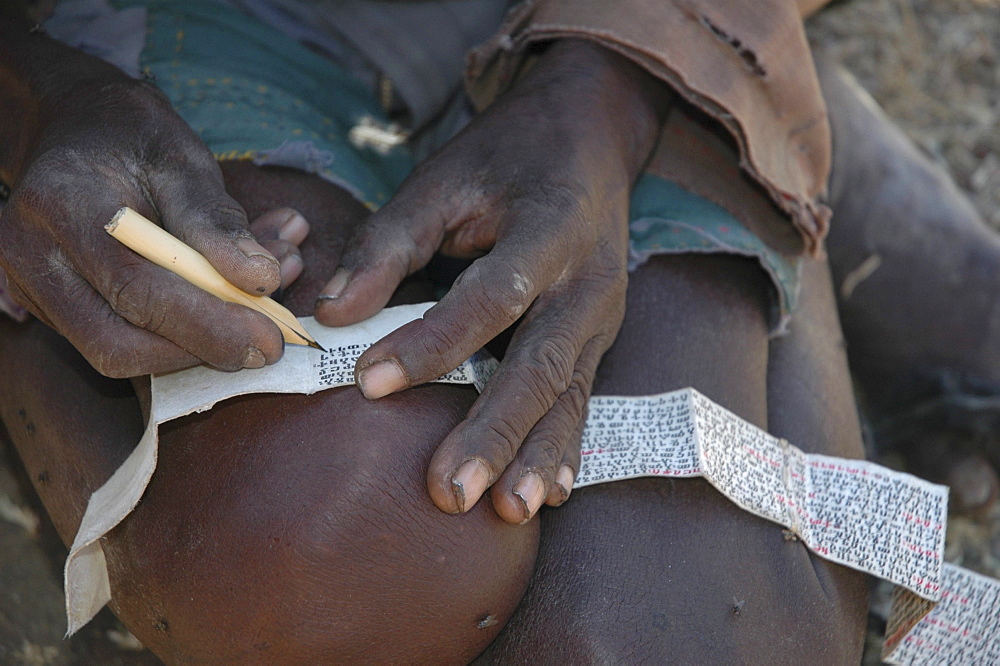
x=935, y=67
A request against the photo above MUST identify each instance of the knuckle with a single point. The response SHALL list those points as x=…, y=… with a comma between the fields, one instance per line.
x=224, y=215
x=426, y=175
x=544, y=454
x=562, y=427
x=564, y=208
x=381, y=244
x=141, y=97
x=608, y=267
x=438, y=343
x=48, y=185
x=406, y=250
x=145, y=105
x=130, y=295
x=577, y=397
x=549, y=369
x=504, y=438
x=561, y=196
x=572, y=453
x=563, y=423
x=499, y=288
x=509, y=301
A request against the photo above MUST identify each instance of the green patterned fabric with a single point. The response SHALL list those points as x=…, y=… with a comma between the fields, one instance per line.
x=252, y=93
x=667, y=219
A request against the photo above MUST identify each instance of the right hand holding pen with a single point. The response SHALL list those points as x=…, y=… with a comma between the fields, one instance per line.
x=107, y=142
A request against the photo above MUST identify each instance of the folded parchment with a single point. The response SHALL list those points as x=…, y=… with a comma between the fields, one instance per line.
x=853, y=512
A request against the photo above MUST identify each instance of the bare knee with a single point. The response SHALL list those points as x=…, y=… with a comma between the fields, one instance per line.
x=685, y=574
x=300, y=528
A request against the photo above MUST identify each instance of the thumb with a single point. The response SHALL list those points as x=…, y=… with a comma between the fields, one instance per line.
x=193, y=206
x=394, y=242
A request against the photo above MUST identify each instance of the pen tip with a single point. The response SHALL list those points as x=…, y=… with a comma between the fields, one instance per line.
x=316, y=345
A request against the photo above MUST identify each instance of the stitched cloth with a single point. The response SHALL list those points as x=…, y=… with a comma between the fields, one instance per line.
x=253, y=92
x=746, y=65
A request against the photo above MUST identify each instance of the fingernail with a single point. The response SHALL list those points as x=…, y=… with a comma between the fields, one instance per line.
x=251, y=249
x=335, y=287
x=380, y=379
x=531, y=490
x=564, y=479
x=469, y=483
x=254, y=358
x=295, y=227
x=291, y=268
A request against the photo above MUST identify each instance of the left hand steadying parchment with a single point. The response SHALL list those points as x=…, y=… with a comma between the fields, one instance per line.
x=538, y=187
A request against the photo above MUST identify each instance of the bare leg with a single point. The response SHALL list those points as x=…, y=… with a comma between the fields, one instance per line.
x=287, y=528
x=918, y=277
x=635, y=570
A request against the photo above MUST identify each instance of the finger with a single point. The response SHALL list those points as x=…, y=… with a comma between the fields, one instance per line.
x=224, y=335
x=538, y=369
x=193, y=205
x=487, y=298
x=550, y=451
x=289, y=259
x=121, y=350
x=569, y=466
x=566, y=474
x=280, y=232
x=285, y=224
x=114, y=347
x=393, y=243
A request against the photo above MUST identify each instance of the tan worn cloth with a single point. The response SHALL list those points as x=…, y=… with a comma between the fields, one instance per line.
x=745, y=64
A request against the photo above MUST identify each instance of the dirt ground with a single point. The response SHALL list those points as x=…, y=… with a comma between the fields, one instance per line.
x=934, y=65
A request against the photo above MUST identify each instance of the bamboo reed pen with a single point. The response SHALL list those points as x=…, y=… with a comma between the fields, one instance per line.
x=157, y=245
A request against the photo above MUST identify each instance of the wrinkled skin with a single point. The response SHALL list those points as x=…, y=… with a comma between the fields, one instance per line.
x=649, y=570
x=310, y=538
x=101, y=142
x=539, y=183
x=715, y=306
x=307, y=538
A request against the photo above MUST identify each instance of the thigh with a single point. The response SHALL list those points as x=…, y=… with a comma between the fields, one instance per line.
x=276, y=527
x=641, y=569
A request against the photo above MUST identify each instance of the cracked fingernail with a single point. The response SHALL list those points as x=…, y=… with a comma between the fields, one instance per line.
x=294, y=229
x=564, y=479
x=335, y=287
x=469, y=483
x=531, y=489
x=254, y=358
x=380, y=379
x=251, y=249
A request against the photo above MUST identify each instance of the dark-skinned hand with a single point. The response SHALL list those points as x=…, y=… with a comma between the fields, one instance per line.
x=97, y=140
x=537, y=187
